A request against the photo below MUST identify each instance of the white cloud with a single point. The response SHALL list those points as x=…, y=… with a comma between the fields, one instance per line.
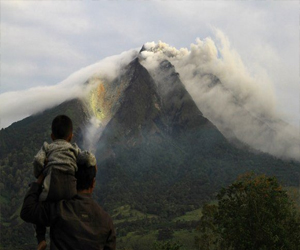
x=17, y=105
x=263, y=34
x=241, y=105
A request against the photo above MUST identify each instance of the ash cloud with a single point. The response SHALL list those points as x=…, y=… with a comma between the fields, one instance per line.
x=241, y=105
x=17, y=105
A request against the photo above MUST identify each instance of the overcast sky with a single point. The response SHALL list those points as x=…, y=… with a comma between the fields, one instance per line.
x=43, y=42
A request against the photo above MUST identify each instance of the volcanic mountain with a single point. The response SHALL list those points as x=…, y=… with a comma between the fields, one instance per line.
x=157, y=153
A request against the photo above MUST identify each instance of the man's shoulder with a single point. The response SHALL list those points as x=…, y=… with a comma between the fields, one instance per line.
x=85, y=206
x=88, y=200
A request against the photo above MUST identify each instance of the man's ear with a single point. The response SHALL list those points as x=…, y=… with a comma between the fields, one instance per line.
x=52, y=137
x=94, y=183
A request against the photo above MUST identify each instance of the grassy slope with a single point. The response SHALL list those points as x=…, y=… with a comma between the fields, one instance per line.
x=186, y=237
x=144, y=239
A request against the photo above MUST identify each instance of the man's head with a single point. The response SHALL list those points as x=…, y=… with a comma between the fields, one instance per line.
x=87, y=170
x=62, y=128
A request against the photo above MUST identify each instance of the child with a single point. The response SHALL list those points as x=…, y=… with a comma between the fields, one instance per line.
x=58, y=163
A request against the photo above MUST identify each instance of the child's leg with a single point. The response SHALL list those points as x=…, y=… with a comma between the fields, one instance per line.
x=40, y=233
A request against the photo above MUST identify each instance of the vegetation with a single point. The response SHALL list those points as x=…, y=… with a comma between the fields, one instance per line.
x=168, y=245
x=151, y=180
x=252, y=213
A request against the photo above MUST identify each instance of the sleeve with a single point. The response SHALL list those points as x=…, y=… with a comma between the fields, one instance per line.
x=111, y=239
x=39, y=160
x=35, y=211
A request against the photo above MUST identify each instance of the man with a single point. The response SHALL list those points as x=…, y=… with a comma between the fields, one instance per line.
x=79, y=223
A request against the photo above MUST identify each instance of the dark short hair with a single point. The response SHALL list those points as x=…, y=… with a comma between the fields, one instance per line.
x=85, y=176
x=62, y=127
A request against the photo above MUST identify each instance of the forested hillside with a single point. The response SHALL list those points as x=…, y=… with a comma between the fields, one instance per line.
x=159, y=159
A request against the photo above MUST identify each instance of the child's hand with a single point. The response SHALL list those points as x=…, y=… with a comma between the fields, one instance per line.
x=42, y=245
x=46, y=162
x=40, y=179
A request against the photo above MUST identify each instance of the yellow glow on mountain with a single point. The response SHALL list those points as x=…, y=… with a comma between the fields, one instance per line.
x=104, y=98
x=98, y=102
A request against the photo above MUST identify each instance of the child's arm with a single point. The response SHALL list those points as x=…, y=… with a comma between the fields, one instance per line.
x=39, y=160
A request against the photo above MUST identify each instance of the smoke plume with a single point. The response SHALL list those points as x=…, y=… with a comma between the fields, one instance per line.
x=242, y=106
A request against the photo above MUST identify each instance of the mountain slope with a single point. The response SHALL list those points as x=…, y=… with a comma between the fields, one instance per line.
x=158, y=145
x=156, y=152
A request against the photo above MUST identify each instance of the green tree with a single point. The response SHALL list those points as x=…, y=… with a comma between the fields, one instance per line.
x=252, y=213
x=208, y=238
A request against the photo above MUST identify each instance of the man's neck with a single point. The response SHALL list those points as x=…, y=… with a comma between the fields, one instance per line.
x=85, y=191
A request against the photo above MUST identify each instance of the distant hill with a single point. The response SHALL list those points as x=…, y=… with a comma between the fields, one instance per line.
x=157, y=154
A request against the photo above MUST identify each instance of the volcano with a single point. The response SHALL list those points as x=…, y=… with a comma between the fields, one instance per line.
x=156, y=151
